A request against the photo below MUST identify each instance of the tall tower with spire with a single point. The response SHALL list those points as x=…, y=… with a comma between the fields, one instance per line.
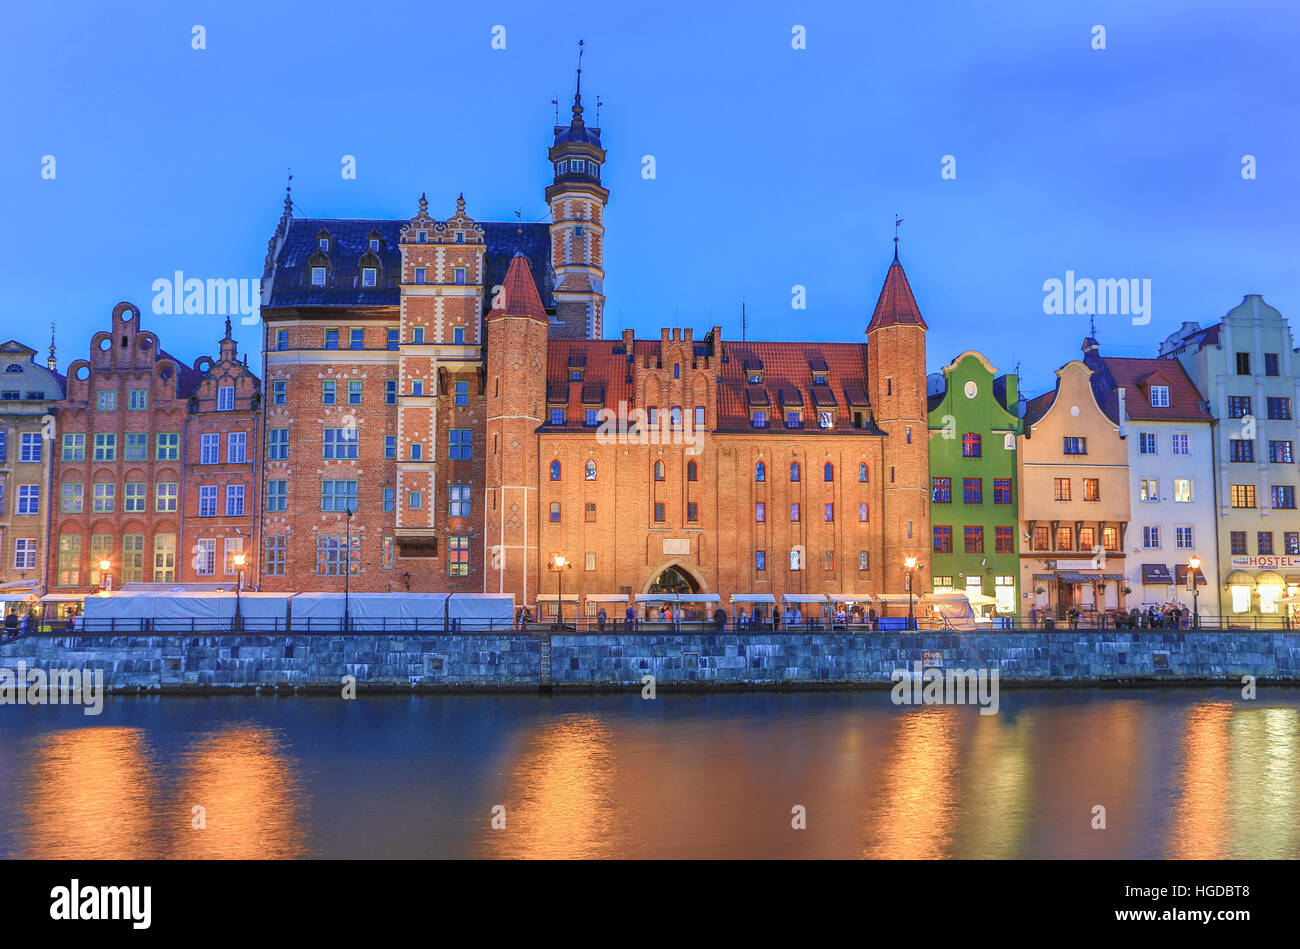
x=896, y=386
x=577, y=201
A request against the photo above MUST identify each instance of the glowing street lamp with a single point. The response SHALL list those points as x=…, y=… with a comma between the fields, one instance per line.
x=239, y=561
x=1193, y=565
x=558, y=565
x=909, y=564
x=104, y=566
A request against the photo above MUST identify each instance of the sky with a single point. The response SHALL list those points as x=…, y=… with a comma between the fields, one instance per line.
x=775, y=166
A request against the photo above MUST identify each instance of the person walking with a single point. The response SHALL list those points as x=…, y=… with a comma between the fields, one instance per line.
x=629, y=619
x=601, y=615
x=740, y=619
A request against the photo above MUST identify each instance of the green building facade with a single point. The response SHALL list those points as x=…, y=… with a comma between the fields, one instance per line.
x=974, y=500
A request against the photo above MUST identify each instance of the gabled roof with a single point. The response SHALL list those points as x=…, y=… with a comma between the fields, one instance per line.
x=291, y=278
x=519, y=293
x=1137, y=376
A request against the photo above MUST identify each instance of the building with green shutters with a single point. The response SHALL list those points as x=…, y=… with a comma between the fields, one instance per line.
x=975, y=417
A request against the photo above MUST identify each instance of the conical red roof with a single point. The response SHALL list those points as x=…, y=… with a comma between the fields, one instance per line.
x=896, y=304
x=519, y=296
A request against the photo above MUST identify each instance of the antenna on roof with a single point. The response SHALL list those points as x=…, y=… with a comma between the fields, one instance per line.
x=898, y=222
x=598, y=105
x=742, y=319
x=556, y=102
x=1092, y=327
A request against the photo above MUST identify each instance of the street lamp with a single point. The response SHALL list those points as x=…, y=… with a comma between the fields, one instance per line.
x=347, y=564
x=104, y=566
x=558, y=565
x=239, y=560
x=910, y=565
x=1193, y=565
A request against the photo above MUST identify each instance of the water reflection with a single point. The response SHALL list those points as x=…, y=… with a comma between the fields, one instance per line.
x=916, y=812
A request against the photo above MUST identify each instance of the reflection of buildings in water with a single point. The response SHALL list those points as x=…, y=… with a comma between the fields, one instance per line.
x=1262, y=774
x=251, y=796
x=996, y=793
x=916, y=807
x=1201, y=819
x=89, y=795
x=558, y=796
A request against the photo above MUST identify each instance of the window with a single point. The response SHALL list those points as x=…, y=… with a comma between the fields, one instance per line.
x=1160, y=397
x=942, y=539
x=462, y=393
x=328, y=390
x=318, y=276
x=459, y=276
x=760, y=511
x=555, y=511
x=390, y=499
x=1264, y=542
x=72, y=498
x=973, y=540
x=354, y=392
x=1087, y=538
x=278, y=388
x=591, y=417
x=1061, y=489
x=863, y=512
x=1238, y=406
x=555, y=471
x=164, y=558
x=692, y=471
x=458, y=556
x=792, y=420
x=167, y=446
x=589, y=513
x=828, y=472
x=1151, y=537
x=1291, y=539
x=333, y=558
x=225, y=398
x=417, y=451
x=1241, y=449
x=25, y=553
x=1280, y=453
x=415, y=500
x=1147, y=443
x=390, y=446
x=324, y=243
x=106, y=447
x=1238, y=542
x=864, y=560
x=1182, y=490
x=659, y=471
x=29, y=447
x=29, y=499
x=758, y=418
x=339, y=443
x=829, y=561
x=557, y=416
x=74, y=448
x=208, y=500
x=972, y=490
x=421, y=275
x=1283, y=496
x=796, y=559
x=760, y=560
x=236, y=448
x=392, y=338
x=692, y=511
x=1042, y=539
x=794, y=511
x=205, y=558
x=675, y=416
x=273, y=561
x=1004, y=540
x=338, y=495
x=209, y=448
x=1270, y=364
x=134, y=497
x=234, y=500
x=1065, y=538
x=826, y=419
x=69, y=560
x=368, y=275
x=1149, y=489
x=1243, y=495
x=794, y=471
x=1074, y=445
x=659, y=511
x=331, y=339
x=760, y=472
x=1183, y=538
x=390, y=392
x=970, y=445
x=1279, y=408
x=137, y=446
x=281, y=340
x=829, y=512
x=1243, y=364
x=458, y=504
x=107, y=401
x=1182, y=443
x=862, y=472
x=277, y=495
x=461, y=444
x=277, y=444
x=417, y=387
x=165, y=497
x=699, y=416
x=1001, y=490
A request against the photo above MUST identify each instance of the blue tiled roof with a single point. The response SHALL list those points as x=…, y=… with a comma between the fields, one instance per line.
x=292, y=278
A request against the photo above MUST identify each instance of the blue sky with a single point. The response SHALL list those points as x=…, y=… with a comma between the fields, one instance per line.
x=775, y=167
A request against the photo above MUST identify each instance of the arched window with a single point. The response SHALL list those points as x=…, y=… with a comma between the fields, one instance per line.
x=677, y=370
x=760, y=472
x=828, y=473
x=555, y=471
x=692, y=472
x=591, y=470
x=659, y=471
x=794, y=471
x=862, y=471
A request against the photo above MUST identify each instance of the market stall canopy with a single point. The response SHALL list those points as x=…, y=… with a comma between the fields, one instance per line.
x=656, y=597
x=63, y=597
x=698, y=598
x=481, y=610
x=803, y=597
x=568, y=597
x=606, y=597
x=19, y=584
x=752, y=598
x=184, y=612
x=980, y=599
x=954, y=607
x=370, y=611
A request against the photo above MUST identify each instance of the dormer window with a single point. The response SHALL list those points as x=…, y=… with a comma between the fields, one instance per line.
x=368, y=276
x=575, y=374
x=758, y=418
x=460, y=237
x=374, y=245
x=318, y=276
x=1160, y=397
x=324, y=243
x=421, y=237
x=825, y=419
x=819, y=378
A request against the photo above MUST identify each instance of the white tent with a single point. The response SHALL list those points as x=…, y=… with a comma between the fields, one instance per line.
x=952, y=607
x=137, y=611
x=698, y=598
x=803, y=597
x=471, y=611
x=370, y=612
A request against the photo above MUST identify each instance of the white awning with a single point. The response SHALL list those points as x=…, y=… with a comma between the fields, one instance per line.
x=19, y=584
x=698, y=598
x=568, y=597
x=606, y=597
x=482, y=606
x=803, y=597
x=63, y=597
x=656, y=597
x=752, y=598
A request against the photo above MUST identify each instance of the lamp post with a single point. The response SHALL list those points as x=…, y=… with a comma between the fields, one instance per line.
x=347, y=563
x=239, y=560
x=1193, y=565
x=104, y=566
x=558, y=565
x=910, y=565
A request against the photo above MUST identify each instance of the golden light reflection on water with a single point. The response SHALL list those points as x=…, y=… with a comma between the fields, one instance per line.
x=1261, y=764
x=996, y=788
x=916, y=809
x=1200, y=825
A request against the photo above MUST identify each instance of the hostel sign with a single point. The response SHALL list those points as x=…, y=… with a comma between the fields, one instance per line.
x=1268, y=562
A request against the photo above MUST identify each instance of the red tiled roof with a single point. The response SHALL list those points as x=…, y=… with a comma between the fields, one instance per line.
x=896, y=305
x=519, y=295
x=1138, y=375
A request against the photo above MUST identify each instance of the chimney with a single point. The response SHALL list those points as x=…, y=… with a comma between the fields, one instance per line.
x=1123, y=410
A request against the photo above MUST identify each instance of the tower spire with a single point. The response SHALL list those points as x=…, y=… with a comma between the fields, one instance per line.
x=577, y=95
x=52, y=362
x=898, y=222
